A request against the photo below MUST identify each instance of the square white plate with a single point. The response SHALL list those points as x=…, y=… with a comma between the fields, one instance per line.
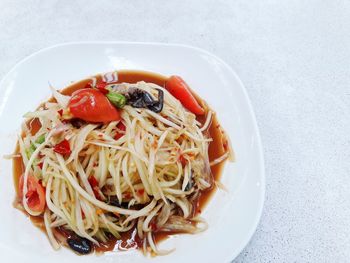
x=232, y=216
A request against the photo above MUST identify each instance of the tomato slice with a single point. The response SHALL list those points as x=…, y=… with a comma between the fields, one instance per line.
x=121, y=127
x=62, y=148
x=92, y=106
x=101, y=86
x=35, y=194
x=180, y=90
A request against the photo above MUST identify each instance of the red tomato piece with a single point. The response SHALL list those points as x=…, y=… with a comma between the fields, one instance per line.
x=180, y=90
x=62, y=148
x=35, y=195
x=92, y=106
x=101, y=86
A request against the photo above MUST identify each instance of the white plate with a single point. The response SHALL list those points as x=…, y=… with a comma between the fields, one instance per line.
x=232, y=216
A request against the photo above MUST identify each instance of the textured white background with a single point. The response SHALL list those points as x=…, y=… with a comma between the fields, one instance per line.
x=294, y=59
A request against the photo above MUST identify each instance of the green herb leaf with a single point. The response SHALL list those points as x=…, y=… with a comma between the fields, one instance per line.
x=30, y=150
x=40, y=139
x=32, y=146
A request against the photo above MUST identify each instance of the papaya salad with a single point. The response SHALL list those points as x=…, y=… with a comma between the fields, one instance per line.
x=113, y=162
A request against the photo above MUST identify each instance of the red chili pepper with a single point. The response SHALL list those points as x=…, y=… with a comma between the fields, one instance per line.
x=62, y=147
x=60, y=112
x=121, y=127
x=182, y=160
x=92, y=181
x=94, y=185
x=180, y=90
x=40, y=165
x=97, y=193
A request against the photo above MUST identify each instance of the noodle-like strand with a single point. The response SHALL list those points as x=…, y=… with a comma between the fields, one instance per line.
x=144, y=172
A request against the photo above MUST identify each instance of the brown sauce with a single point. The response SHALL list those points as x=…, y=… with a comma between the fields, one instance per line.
x=216, y=149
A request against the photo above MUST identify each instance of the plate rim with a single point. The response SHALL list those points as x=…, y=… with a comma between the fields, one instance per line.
x=262, y=195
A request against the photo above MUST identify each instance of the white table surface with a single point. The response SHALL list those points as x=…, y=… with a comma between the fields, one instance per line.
x=293, y=57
